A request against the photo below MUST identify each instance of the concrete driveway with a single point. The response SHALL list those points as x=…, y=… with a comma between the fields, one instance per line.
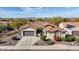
x=27, y=41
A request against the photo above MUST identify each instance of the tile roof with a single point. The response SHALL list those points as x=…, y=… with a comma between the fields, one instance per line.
x=45, y=26
x=40, y=24
x=71, y=23
x=56, y=29
x=52, y=28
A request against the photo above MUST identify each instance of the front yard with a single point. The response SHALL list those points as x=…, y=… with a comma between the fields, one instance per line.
x=8, y=38
x=68, y=40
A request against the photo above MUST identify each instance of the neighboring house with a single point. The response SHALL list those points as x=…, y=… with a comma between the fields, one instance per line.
x=72, y=28
x=5, y=22
x=52, y=30
x=49, y=30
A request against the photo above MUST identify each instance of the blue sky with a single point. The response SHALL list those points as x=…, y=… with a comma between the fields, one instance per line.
x=21, y=12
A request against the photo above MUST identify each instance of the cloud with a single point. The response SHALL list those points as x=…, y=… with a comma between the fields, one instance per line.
x=39, y=12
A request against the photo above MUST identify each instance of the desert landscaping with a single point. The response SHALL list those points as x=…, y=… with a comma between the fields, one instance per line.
x=21, y=32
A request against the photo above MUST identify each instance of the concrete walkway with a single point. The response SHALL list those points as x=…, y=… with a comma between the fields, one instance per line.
x=27, y=41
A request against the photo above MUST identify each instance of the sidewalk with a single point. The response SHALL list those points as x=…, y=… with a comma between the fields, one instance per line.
x=56, y=47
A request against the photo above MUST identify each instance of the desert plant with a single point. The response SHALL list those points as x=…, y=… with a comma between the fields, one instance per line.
x=77, y=39
x=57, y=38
x=43, y=37
x=63, y=38
x=49, y=42
x=47, y=39
x=68, y=38
x=39, y=30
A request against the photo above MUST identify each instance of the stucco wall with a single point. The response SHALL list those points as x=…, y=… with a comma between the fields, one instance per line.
x=69, y=31
x=61, y=25
x=50, y=35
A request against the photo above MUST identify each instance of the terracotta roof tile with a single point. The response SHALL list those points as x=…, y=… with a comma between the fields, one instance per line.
x=56, y=29
x=46, y=26
x=40, y=24
x=71, y=23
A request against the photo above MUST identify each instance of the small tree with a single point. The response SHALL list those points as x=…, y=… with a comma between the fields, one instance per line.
x=68, y=38
x=39, y=31
x=43, y=38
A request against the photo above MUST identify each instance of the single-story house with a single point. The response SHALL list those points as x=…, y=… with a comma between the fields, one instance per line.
x=30, y=30
x=49, y=30
x=72, y=28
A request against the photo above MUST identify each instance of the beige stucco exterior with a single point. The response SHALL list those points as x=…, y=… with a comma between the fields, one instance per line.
x=69, y=31
x=61, y=25
x=50, y=35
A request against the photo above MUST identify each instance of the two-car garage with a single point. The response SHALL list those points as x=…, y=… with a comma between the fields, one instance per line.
x=28, y=31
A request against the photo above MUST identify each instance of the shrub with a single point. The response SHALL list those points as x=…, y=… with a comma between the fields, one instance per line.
x=64, y=39
x=49, y=42
x=47, y=39
x=39, y=30
x=15, y=38
x=57, y=38
x=43, y=37
x=36, y=44
x=77, y=39
x=68, y=38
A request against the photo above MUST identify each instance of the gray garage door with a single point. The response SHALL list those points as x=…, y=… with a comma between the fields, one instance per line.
x=75, y=33
x=28, y=33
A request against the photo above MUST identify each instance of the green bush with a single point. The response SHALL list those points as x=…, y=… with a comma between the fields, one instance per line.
x=49, y=42
x=63, y=38
x=48, y=39
x=68, y=38
x=39, y=30
x=43, y=37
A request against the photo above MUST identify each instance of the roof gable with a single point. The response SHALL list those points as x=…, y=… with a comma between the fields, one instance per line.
x=26, y=26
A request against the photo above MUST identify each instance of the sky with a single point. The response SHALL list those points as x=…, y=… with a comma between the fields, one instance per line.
x=23, y=12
